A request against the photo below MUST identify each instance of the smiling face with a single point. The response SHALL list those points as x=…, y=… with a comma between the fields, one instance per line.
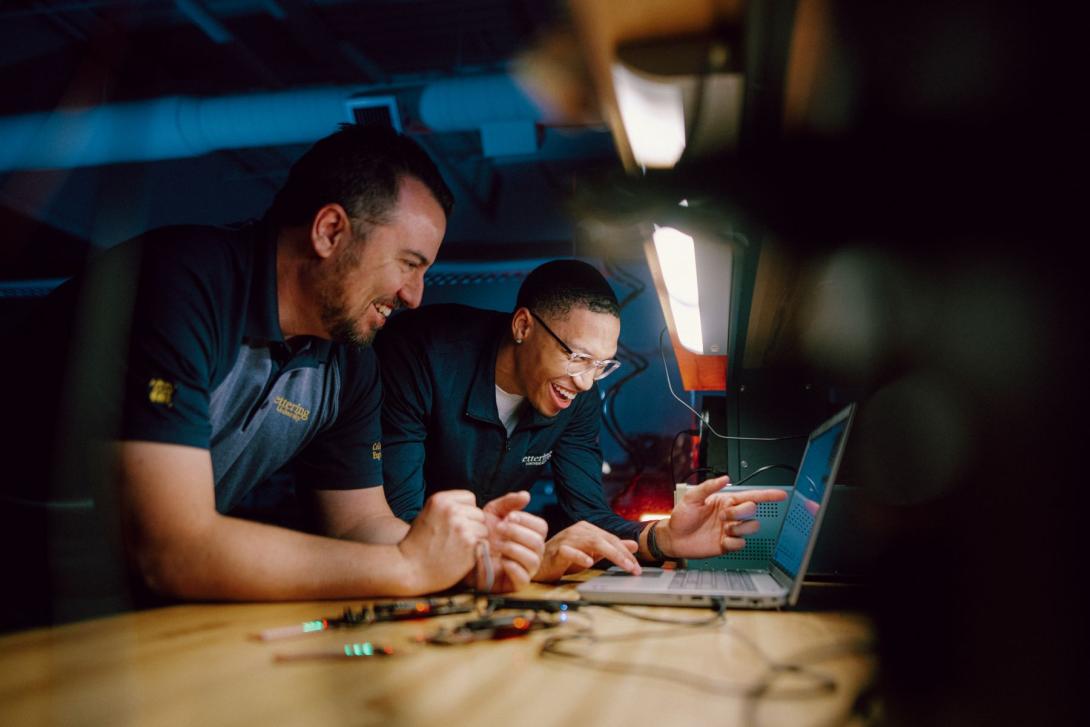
x=365, y=280
x=541, y=362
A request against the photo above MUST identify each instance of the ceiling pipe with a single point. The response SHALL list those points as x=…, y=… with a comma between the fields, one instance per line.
x=178, y=126
x=457, y=104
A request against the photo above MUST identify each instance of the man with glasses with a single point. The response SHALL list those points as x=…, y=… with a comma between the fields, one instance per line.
x=483, y=400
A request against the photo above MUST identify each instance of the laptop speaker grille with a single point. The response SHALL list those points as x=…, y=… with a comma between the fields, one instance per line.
x=759, y=548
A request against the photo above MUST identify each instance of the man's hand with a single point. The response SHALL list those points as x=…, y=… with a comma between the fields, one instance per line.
x=708, y=522
x=582, y=545
x=516, y=541
x=440, y=545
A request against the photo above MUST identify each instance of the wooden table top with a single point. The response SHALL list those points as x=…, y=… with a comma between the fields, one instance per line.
x=200, y=664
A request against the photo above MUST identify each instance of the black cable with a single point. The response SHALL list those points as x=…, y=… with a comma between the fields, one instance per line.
x=618, y=436
x=638, y=363
x=797, y=666
x=609, y=410
x=609, y=419
x=703, y=418
x=767, y=467
x=553, y=647
x=637, y=286
x=709, y=470
x=718, y=605
x=718, y=473
x=673, y=445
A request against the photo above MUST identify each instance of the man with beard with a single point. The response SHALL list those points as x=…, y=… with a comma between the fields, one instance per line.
x=245, y=351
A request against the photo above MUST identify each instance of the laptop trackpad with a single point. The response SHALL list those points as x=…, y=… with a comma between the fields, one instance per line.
x=616, y=579
x=647, y=573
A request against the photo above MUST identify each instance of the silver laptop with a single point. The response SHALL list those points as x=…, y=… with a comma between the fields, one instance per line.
x=776, y=586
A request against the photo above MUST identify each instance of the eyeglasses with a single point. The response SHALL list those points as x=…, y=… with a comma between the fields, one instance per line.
x=581, y=363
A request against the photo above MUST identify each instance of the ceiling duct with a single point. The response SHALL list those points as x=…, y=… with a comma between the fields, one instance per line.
x=178, y=126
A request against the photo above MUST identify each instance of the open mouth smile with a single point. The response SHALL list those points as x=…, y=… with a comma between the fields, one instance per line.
x=565, y=395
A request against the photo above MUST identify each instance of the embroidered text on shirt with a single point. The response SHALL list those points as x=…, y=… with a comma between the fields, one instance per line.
x=537, y=460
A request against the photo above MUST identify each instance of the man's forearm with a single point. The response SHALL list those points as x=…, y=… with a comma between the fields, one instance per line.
x=386, y=530
x=241, y=560
x=182, y=547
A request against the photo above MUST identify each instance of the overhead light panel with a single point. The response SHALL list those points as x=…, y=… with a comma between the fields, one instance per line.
x=678, y=96
x=653, y=114
x=676, y=253
x=699, y=267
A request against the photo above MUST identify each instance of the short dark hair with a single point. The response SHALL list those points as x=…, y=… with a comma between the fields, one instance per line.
x=560, y=285
x=360, y=168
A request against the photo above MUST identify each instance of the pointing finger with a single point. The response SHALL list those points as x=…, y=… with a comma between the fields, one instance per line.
x=706, y=488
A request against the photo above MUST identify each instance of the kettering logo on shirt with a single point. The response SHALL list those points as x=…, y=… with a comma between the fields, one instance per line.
x=161, y=392
x=291, y=410
x=531, y=460
x=376, y=450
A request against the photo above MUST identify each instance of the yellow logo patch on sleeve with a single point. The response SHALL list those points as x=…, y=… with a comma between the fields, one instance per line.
x=161, y=392
x=376, y=450
x=291, y=410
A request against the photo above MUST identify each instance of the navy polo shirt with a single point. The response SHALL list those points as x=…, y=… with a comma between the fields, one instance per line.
x=208, y=366
x=442, y=431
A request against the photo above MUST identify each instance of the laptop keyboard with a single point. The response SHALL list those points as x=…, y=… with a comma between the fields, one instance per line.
x=699, y=580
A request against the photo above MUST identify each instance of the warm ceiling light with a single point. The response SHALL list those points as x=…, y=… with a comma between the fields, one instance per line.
x=677, y=259
x=678, y=97
x=653, y=114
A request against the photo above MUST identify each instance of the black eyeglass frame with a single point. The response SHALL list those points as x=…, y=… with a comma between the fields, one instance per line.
x=602, y=368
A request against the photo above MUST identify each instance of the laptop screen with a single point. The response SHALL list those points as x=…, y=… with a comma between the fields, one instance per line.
x=809, y=492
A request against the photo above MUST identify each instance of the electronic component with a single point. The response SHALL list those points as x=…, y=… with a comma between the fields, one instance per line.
x=495, y=628
x=374, y=613
x=549, y=605
x=348, y=651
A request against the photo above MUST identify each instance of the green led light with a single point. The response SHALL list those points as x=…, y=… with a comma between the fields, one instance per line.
x=364, y=649
x=310, y=626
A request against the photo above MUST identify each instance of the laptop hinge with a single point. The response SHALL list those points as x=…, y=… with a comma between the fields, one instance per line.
x=781, y=577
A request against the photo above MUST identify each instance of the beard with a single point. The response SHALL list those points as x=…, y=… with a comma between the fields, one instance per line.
x=342, y=326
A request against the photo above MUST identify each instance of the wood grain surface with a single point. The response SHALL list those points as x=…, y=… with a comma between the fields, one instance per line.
x=201, y=665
